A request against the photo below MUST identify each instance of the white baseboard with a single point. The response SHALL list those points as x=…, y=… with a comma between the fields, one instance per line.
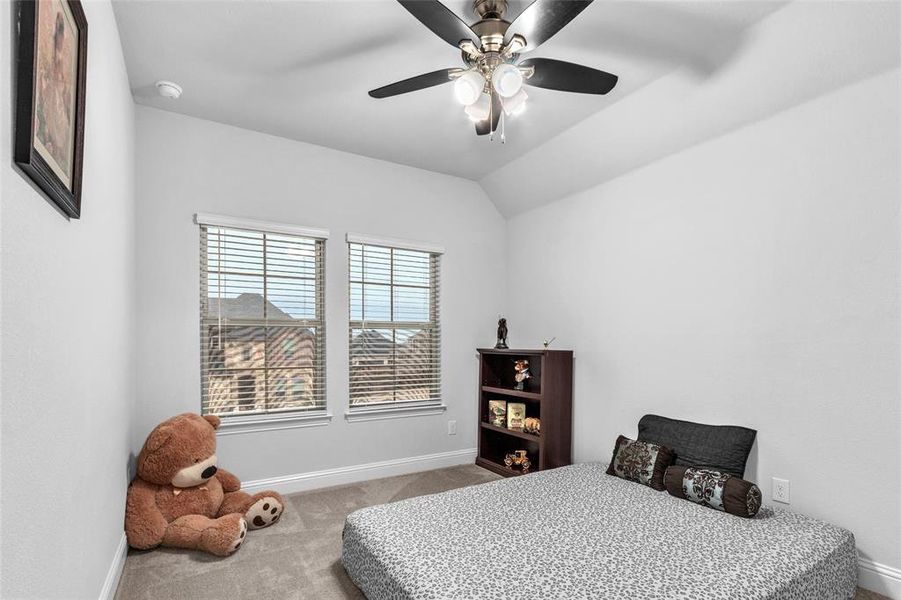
x=301, y=482
x=115, y=570
x=881, y=579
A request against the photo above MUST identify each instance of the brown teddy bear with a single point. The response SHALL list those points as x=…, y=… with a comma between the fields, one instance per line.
x=180, y=498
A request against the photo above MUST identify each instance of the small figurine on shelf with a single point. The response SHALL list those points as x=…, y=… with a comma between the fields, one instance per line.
x=521, y=367
x=501, y=334
x=518, y=459
x=532, y=425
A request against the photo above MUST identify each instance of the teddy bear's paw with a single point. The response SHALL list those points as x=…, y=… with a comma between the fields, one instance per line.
x=240, y=538
x=264, y=512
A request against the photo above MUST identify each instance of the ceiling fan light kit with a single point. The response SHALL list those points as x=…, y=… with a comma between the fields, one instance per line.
x=490, y=85
x=507, y=80
x=468, y=87
x=480, y=109
x=516, y=104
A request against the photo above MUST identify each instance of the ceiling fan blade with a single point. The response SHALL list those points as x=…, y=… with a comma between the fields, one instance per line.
x=441, y=20
x=496, y=109
x=489, y=125
x=568, y=77
x=420, y=82
x=543, y=19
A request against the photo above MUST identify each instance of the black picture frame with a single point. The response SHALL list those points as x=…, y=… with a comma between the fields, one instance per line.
x=25, y=155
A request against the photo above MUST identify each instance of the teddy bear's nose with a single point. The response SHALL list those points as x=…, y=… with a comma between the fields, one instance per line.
x=208, y=472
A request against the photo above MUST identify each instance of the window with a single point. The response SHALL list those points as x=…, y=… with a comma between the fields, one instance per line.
x=262, y=318
x=395, y=337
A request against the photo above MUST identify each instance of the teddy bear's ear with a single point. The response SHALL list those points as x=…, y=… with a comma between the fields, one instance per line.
x=157, y=438
x=213, y=420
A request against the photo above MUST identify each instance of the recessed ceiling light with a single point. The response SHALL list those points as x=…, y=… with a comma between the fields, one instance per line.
x=168, y=89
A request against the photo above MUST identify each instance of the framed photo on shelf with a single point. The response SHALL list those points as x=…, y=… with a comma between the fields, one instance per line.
x=516, y=415
x=50, y=68
x=497, y=412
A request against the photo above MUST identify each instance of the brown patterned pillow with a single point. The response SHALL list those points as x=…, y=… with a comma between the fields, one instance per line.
x=714, y=489
x=641, y=462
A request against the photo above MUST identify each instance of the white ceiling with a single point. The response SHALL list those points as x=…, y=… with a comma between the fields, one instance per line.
x=689, y=70
x=301, y=69
x=800, y=52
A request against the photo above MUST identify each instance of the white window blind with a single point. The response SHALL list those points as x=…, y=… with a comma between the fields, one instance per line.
x=395, y=335
x=262, y=321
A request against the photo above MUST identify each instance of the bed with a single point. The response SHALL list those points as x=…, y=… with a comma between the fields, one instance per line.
x=576, y=532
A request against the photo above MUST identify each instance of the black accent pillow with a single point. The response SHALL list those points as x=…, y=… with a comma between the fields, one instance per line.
x=641, y=462
x=722, y=448
x=716, y=490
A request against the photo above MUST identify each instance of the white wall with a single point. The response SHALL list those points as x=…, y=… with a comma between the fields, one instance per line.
x=68, y=335
x=751, y=280
x=186, y=165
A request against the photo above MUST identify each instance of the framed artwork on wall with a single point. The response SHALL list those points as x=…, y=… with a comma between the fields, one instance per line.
x=50, y=66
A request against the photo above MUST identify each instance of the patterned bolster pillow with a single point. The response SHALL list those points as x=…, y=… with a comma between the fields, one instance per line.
x=641, y=462
x=720, y=491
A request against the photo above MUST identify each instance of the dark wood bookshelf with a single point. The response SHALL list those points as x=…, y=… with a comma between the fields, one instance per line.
x=547, y=395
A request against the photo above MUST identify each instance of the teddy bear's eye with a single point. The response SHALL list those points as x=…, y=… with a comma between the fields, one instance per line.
x=196, y=460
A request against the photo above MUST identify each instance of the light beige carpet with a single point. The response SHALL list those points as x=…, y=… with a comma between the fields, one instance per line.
x=300, y=557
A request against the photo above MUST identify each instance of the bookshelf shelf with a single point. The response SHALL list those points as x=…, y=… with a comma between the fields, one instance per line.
x=512, y=432
x=500, y=469
x=514, y=393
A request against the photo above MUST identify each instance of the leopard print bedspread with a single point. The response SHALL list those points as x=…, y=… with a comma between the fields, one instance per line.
x=578, y=533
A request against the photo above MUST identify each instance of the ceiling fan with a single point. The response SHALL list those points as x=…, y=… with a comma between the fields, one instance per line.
x=490, y=84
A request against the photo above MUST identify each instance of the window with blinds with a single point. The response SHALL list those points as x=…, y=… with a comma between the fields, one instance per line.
x=395, y=337
x=262, y=321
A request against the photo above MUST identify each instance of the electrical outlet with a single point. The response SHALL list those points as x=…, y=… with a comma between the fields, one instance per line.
x=781, y=490
x=451, y=428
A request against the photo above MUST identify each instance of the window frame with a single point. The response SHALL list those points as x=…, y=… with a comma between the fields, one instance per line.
x=395, y=408
x=287, y=418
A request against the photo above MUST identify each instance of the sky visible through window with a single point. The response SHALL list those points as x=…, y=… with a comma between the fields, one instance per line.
x=387, y=285
x=390, y=285
x=283, y=271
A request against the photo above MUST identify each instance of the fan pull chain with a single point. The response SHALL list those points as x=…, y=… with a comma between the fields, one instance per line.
x=503, y=128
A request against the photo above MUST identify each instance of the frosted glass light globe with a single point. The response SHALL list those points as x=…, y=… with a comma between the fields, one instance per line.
x=468, y=87
x=515, y=105
x=507, y=80
x=480, y=109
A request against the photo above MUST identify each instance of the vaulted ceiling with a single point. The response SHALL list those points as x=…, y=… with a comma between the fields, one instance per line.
x=302, y=69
